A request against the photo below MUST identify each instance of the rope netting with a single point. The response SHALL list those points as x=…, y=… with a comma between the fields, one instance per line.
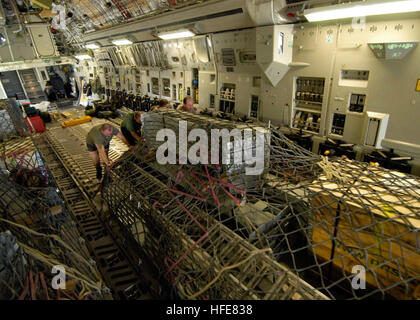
x=38, y=235
x=12, y=123
x=298, y=230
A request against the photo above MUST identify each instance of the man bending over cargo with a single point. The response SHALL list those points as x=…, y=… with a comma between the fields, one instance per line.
x=131, y=127
x=97, y=141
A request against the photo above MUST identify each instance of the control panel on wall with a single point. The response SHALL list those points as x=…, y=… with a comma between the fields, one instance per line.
x=354, y=78
x=307, y=121
x=309, y=90
x=307, y=103
x=338, y=122
x=155, y=86
x=253, y=113
x=138, y=81
x=357, y=102
x=212, y=103
x=166, y=87
x=227, y=98
x=174, y=92
x=117, y=78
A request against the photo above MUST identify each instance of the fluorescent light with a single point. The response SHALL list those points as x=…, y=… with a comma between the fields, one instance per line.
x=122, y=42
x=178, y=34
x=83, y=56
x=361, y=9
x=92, y=46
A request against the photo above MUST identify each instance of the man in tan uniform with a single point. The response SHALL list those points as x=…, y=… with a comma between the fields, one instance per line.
x=97, y=141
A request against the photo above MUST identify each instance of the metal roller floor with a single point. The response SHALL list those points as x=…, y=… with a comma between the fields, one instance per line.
x=65, y=153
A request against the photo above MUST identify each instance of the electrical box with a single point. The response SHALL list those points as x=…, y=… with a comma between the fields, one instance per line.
x=247, y=57
x=353, y=127
x=255, y=103
x=227, y=98
x=338, y=123
x=354, y=78
x=166, y=84
x=368, y=128
x=375, y=127
x=307, y=103
x=155, y=86
x=357, y=102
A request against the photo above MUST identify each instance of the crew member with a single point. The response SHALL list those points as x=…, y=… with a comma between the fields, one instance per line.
x=131, y=127
x=97, y=141
x=50, y=92
x=188, y=106
x=68, y=89
x=163, y=104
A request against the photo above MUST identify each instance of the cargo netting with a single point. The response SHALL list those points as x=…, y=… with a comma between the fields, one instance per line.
x=307, y=227
x=38, y=238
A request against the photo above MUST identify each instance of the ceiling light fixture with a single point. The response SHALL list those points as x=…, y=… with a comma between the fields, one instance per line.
x=92, y=46
x=122, y=42
x=361, y=9
x=177, y=34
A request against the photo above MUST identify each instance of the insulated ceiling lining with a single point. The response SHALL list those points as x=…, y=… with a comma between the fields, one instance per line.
x=91, y=15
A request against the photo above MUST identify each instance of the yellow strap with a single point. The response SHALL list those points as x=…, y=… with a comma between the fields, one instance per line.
x=388, y=211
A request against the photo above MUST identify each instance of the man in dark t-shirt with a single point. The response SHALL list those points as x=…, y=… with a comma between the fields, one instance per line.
x=97, y=141
x=131, y=127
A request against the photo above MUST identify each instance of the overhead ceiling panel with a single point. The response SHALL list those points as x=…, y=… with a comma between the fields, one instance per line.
x=91, y=15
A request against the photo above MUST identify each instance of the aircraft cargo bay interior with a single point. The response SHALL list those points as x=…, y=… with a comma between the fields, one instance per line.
x=209, y=150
